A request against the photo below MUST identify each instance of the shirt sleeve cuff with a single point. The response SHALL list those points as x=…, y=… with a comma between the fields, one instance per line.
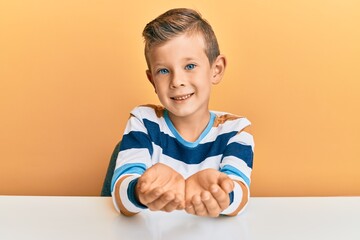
x=131, y=194
x=235, y=199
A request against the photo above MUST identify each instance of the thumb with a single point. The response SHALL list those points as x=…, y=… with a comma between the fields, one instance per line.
x=146, y=180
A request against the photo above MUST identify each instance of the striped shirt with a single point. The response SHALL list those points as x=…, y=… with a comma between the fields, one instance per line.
x=150, y=138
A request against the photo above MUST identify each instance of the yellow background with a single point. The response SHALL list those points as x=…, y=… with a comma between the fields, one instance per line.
x=72, y=70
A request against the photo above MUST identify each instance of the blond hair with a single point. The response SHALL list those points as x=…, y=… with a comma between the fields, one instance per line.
x=176, y=22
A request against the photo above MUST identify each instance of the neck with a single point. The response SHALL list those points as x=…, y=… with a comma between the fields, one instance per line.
x=190, y=128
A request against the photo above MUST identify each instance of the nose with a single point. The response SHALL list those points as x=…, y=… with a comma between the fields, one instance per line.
x=177, y=80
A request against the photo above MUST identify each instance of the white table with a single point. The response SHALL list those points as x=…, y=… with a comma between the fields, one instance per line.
x=88, y=218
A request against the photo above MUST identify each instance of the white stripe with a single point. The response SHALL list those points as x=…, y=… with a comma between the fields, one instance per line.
x=124, y=197
x=238, y=164
x=238, y=193
x=220, y=113
x=236, y=178
x=145, y=111
x=135, y=124
x=248, y=196
x=148, y=113
x=243, y=138
x=157, y=153
x=141, y=113
x=228, y=126
x=114, y=198
x=133, y=155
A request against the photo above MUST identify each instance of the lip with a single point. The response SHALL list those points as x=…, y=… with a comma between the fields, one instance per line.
x=182, y=97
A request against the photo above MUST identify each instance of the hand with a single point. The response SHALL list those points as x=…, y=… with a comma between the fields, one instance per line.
x=161, y=188
x=207, y=193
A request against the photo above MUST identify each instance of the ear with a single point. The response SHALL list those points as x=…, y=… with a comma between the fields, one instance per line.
x=218, y=69
x=149, y=77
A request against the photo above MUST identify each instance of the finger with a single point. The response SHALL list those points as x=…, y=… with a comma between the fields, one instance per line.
x=162, y=201
x=199, y=206
x=150, y=196
x=189, y=208
x=143, y=186
x=212, y=206
x=179, y=199
x=175, y=204
x=180, y=206
x=226, y=183
x=146, y=180
x=221, y=197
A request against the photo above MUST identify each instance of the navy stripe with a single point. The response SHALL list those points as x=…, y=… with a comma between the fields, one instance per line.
x=174, y=149
x=136, y=139
x=231, y=196
x=244, y=152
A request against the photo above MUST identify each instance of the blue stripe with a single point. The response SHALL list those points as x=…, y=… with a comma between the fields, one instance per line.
x=244, y=152
x=230, y=170
x=136, y=139
x=129, y=168
x=175, y=149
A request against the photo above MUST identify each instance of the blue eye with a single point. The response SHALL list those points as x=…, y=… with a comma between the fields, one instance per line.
x=163, y=71
x=190, y=66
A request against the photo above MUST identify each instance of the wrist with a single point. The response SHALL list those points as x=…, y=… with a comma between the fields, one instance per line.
x=231, y=197
x=134, y=195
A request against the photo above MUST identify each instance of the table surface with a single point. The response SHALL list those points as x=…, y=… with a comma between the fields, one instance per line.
x=36, y=217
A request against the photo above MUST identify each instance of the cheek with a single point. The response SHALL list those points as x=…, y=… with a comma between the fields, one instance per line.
x=160, y=89
x=205, y=83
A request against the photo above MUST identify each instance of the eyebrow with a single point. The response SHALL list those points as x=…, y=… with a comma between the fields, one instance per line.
x=161, y=64
x=190, y=59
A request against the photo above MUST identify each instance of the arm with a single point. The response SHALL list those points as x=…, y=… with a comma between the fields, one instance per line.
x=237, y=163
x=133, y=159
x=210, y=192
x=136, y=184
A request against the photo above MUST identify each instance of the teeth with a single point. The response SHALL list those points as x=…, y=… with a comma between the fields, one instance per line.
x=182, y=97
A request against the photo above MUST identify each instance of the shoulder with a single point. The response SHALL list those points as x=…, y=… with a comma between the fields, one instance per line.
x=149, y=111
x=230, y=123
x=229, y=120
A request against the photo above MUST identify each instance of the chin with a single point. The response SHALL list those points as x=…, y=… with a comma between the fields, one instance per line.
x=181, y=114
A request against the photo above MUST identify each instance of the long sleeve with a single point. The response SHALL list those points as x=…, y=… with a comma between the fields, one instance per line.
x=133, y=159
x=237, y=163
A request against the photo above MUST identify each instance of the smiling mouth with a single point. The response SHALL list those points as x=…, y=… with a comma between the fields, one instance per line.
x=183, y=97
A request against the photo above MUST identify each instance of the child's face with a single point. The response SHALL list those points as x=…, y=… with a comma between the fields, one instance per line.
x=182, y=76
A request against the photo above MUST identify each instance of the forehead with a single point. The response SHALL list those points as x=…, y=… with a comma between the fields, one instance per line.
x=179, y=47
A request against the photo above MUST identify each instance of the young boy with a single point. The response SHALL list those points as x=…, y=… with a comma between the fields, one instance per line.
x=181, y=155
